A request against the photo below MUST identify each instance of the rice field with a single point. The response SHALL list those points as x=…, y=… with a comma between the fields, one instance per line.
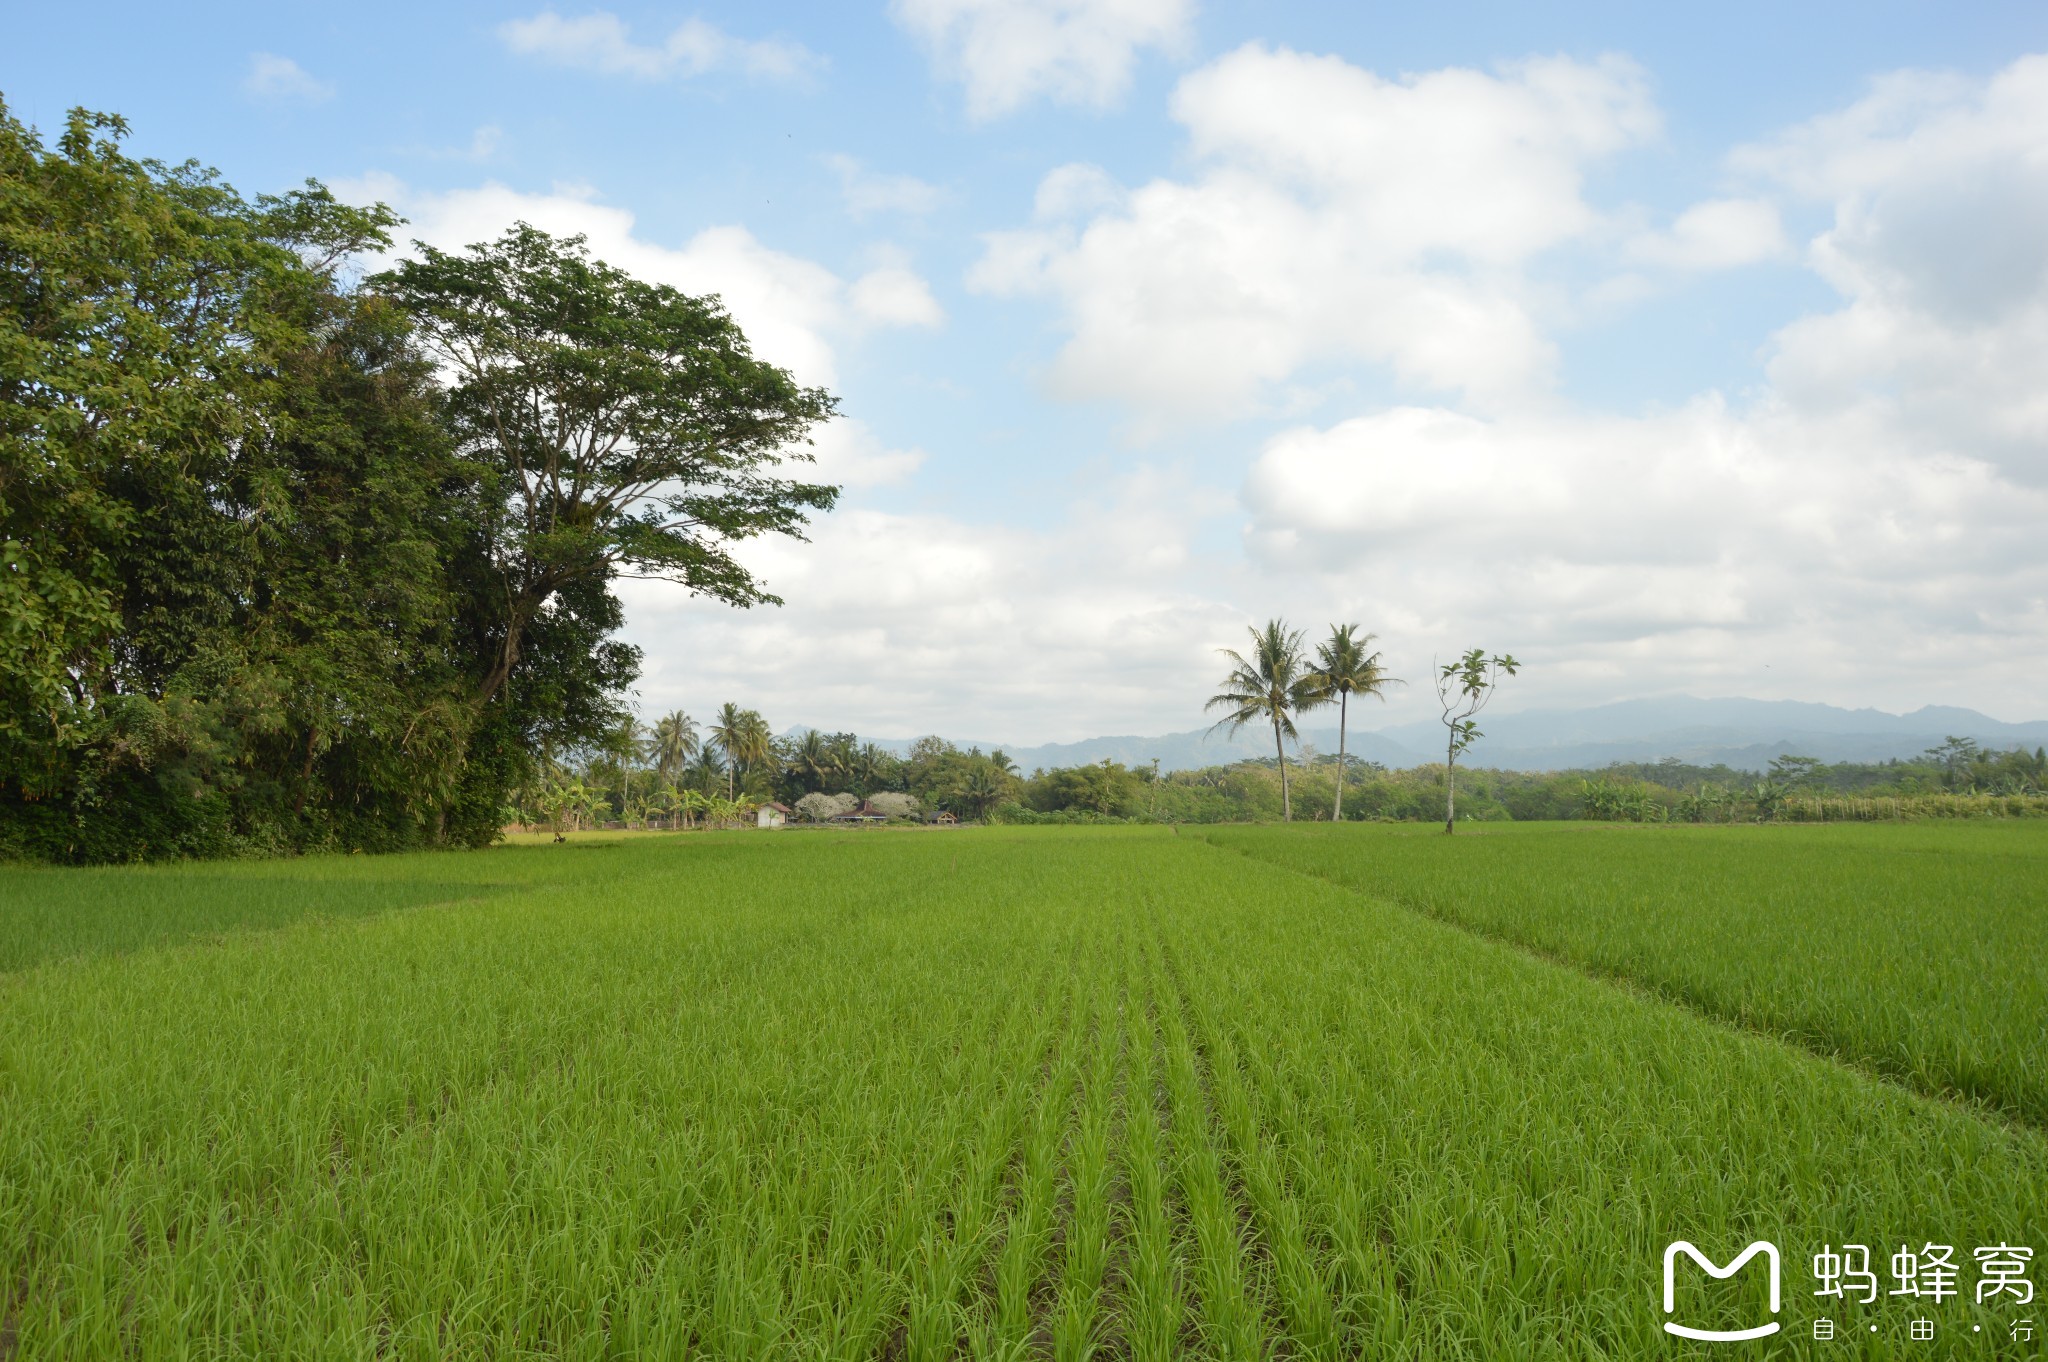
x=999, y=1093
x=1919, y=951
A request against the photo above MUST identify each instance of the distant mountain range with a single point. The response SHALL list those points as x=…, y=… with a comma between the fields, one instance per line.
x=1745, y=734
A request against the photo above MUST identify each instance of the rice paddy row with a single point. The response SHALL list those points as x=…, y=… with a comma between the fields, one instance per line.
x=1013, y=1093
x=1915, y=950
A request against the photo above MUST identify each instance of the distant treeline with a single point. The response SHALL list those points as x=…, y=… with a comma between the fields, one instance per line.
x=673, y=776
x=1956, y=780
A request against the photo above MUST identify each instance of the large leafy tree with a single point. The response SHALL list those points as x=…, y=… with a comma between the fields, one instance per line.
x=230, y=525
x=1343, y=668
x=1269, y=686
x=625, y=428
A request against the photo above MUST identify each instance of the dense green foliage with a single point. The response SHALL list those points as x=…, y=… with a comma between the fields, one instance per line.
x=264, y=584
x=989, y=1093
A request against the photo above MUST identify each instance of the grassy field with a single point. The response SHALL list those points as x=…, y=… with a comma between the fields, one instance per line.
x=1001, y=1093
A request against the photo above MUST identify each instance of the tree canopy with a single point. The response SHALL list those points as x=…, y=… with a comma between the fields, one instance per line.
x=290, y=559
x=623, y=427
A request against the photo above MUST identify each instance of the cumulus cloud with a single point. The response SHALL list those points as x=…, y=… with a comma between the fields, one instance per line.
x=1670, y=550
x=848, y=453
x=1939, y=246
x=794, y=311
x=282, y=80
x=866, y=193
x=600, y=41
x=1715, y=235
x=910, y=623
x=895, y=296
x=1866, y=523
x=1618, y=555
x=1010, y=52
x=1335, y=215
x=1869, y=520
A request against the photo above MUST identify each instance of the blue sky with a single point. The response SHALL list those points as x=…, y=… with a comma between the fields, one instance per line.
x=1670, y=351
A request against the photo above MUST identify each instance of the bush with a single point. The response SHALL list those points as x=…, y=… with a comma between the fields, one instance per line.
x=1015, y=813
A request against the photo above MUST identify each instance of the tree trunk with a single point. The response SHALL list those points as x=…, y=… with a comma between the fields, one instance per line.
x=1286, y=801
x=306, y=771
x=508, y=658
x=1450, y=805
x=1343, y=712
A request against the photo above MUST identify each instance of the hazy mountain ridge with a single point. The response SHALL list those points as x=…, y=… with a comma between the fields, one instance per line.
x=1741, y=732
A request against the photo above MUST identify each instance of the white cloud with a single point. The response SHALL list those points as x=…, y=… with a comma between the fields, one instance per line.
x=1939, y=246
x=899, y=624
x=1009, y=52
x=1335, y=216
x=1715, y=235
x=793, y=310
x=1668, y=551
x=1617, y=555
x=1866, y=523
x=850, y=454
x=895, y=295
x=600, y=41
x=1485, y=166
x=867, y=193
x=281, y=79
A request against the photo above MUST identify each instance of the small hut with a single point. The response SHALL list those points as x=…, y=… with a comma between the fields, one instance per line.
x=771, y=815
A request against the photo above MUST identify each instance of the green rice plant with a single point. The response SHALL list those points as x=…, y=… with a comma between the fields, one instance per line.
x=1911, y=950
x=1088, y=1189
x=1225, y=1281
x=1002, y=1093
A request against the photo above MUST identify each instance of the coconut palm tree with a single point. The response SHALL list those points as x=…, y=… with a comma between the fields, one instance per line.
x=756, y=740
x=675, y=742
x=1343, y=669
x=728, y=730
x=708, y=771
x=844, y=751
x=813, y=761
x=865, y=769
x=1270, y=686
x=628, y=743
x=983, y=786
